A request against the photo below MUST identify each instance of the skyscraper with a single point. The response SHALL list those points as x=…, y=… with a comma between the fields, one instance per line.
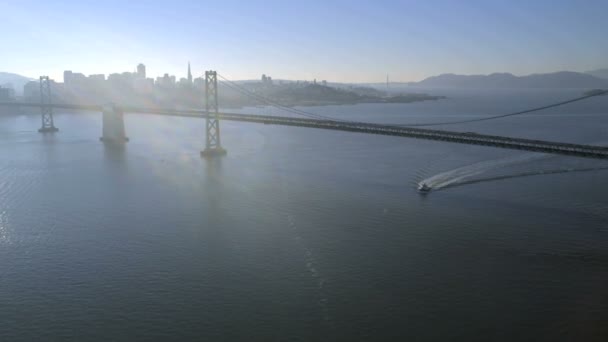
x=189, y=74
x=67, y=78
x=141, y=71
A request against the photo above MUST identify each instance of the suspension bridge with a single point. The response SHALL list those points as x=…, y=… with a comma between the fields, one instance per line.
x=113, y=129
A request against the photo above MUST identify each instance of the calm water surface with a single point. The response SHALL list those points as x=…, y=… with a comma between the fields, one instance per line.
x=303, y=234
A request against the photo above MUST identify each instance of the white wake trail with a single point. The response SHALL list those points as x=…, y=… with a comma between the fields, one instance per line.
x=464, y=173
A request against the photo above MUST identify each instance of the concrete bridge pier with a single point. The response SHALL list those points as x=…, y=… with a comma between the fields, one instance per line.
x=113, y=130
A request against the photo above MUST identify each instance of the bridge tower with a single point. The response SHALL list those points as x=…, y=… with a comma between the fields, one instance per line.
x=213, y=146
x=48, y=126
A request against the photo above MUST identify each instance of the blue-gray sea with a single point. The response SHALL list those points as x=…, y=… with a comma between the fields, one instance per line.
x=301, y=234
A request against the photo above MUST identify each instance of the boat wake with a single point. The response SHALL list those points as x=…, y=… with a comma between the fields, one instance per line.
x=524, y=174
x=464, y=174
x=468, y=175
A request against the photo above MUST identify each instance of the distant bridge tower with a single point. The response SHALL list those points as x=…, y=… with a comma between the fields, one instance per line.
x=213, y=146
x=48, y=126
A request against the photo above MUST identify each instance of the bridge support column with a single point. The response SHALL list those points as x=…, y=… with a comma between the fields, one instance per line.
x=113, y=130
x=48, y=125
x=213, y=146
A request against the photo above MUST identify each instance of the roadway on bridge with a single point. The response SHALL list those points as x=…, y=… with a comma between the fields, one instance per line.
x=577, y=150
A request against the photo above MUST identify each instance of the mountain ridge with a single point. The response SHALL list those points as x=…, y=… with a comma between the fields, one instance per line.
x=16, y=80
x=560, y=79
x=599, y=73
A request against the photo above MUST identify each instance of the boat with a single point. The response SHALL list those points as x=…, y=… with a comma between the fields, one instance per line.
x=424, y=188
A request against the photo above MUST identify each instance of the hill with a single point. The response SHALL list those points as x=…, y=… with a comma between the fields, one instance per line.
x=313, y=94
x=562, y=79
x=17, y=81
x=600, y=73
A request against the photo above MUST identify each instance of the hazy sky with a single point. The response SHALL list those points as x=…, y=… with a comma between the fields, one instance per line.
x=353, y=41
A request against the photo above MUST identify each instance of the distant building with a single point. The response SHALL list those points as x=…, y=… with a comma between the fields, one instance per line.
x=73, y=80
x=141, y=71
x=9, y=90
x=67, y=77
x=199, y=83
x=113, y=78
x=166, y=81
x=267, y=80
x=78, y=77
x=144, y=86
x=5, y=94
x=189, y=74
x=123, y=79
x=95, y=83
x=31, y=90
x=98, y=77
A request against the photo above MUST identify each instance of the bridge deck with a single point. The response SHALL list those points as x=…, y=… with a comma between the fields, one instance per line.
x=578, y=150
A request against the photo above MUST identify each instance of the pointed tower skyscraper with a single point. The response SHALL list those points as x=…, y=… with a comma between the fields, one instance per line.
x=189, y=74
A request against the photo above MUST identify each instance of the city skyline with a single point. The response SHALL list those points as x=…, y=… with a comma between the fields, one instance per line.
x=189, y=77
x=341, y=41
x=140, y=72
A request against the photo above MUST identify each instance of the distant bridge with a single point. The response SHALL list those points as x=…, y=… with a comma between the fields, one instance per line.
x=113, y=126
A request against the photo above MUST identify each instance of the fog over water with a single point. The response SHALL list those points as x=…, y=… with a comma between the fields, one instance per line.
x=305, y=234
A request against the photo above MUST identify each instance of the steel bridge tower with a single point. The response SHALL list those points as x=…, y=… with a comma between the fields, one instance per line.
x=213, y=146
x=48, y=126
